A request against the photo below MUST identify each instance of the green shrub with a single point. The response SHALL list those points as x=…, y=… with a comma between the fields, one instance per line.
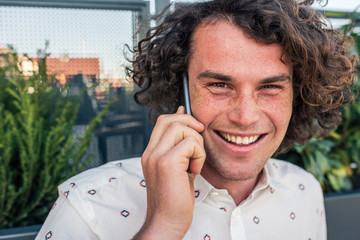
x=37, y=147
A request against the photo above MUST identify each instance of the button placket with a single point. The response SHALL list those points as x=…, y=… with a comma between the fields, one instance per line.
x=237, y=228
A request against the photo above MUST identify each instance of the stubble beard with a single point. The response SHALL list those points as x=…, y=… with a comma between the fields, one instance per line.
x=218, y=165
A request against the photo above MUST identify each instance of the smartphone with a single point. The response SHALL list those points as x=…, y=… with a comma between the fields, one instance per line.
x=186, y=101
x=186, y=93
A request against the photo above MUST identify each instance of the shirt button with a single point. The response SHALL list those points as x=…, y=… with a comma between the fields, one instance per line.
x=215, y=194
x=236, y=214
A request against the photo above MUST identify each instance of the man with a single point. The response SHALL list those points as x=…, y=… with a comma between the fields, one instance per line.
x=260, y=73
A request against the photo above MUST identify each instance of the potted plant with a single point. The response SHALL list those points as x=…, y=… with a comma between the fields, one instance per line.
x=37, y=145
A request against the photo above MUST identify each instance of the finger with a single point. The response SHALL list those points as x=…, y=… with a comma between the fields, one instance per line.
x=163, y=125
x=163, y=121
x=180, y=110
x=176, y=133
x=187, y=148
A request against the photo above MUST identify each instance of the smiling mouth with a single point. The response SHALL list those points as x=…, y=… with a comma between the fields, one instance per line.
x=239, y=140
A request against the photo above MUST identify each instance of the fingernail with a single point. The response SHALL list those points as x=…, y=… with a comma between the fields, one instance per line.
x=180, y=109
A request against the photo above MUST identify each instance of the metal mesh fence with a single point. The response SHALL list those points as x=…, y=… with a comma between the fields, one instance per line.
x=90, y=35
x=86, y=48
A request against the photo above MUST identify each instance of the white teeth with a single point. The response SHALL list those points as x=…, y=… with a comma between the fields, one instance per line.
x=240, y=140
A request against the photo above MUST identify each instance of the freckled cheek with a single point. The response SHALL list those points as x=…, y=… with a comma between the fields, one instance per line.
x=206, y=109
x=279, y=111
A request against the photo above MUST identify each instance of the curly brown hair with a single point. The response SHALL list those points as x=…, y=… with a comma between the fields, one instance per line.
x=323, y=68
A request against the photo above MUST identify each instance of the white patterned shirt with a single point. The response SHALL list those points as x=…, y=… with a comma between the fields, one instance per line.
x=109, y=202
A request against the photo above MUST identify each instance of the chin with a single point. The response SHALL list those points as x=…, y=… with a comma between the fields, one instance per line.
x=238, y=176
x=240, y=172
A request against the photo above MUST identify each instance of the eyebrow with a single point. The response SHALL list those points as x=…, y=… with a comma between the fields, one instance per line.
x=210, y=74
x=280, y=78
x=222, y=77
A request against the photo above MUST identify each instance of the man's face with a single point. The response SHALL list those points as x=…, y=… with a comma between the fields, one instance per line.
x=242, y=92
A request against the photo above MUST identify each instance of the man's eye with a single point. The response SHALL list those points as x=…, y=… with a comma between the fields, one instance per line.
x=271, y=87
x=219, y=84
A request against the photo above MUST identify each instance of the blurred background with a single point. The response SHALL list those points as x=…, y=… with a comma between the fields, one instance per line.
x=64, y=92
x=85, y=42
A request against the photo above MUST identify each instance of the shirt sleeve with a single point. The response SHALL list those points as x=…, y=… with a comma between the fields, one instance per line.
x=64, y=222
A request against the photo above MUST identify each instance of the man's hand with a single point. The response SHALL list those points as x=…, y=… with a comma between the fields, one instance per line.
x=170, y=188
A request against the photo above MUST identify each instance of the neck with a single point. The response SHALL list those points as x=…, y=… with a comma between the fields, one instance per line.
x=239, y=190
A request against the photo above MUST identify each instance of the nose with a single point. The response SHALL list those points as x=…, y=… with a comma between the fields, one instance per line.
x=244, y=111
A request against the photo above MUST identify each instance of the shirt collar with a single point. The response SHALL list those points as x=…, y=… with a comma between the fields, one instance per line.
x=202, y=188
x=274, y=172
x=267, y=180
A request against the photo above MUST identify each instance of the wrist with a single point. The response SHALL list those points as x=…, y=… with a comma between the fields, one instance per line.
x=159, y=232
